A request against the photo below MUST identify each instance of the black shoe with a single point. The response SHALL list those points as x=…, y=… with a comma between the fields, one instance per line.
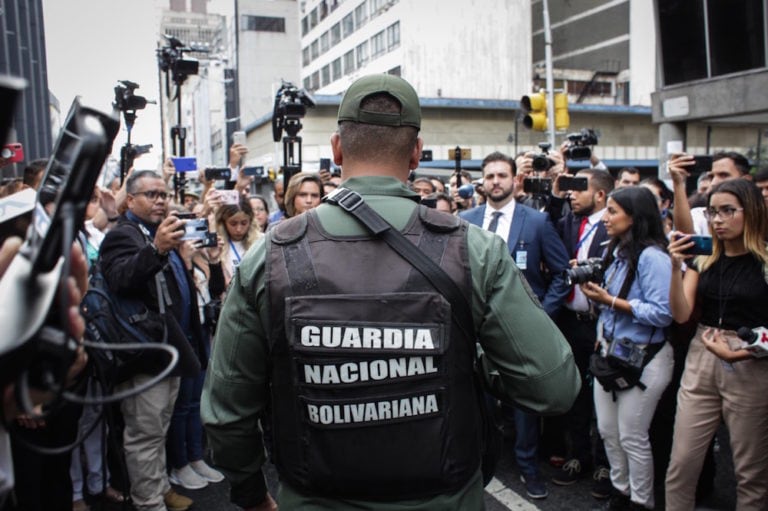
x=617, y=502
x=534, y=487
x=634, y=506
x=569, y=473
x=602, y=487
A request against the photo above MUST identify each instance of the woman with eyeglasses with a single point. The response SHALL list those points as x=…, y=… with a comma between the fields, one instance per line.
x=260, y=211
x=634, y=307
x=728, y=289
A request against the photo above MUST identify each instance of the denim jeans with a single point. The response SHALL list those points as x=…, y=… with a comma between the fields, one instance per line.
x=526, y=440
x=185, y=434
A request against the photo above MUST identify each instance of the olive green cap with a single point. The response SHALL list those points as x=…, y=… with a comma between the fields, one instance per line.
x=410, y=113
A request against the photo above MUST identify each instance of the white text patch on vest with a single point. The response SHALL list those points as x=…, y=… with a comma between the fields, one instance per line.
x=403, y=338
x=376, y=411
x=368, y=370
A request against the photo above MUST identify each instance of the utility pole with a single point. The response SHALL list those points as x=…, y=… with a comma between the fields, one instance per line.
x=550, y=77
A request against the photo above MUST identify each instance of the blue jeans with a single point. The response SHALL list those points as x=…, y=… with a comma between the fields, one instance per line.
x=185, y=434
x=526, y=440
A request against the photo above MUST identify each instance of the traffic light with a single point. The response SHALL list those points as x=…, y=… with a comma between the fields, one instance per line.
x=562, y=119
x=535, y=107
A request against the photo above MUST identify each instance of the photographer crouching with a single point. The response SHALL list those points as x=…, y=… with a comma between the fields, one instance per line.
x=634, y=365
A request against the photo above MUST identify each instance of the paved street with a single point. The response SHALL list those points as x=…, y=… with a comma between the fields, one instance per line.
x=506, y=492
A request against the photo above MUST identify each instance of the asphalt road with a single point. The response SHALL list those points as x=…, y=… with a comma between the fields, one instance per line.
x=506, y=492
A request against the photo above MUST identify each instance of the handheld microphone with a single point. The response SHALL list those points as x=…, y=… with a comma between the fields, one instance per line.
x=466, y=191
x=757, y=339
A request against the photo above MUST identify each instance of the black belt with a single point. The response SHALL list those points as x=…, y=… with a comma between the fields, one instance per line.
x=584, y=317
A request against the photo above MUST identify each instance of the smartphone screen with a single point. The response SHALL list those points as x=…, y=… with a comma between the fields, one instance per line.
x=239, y=137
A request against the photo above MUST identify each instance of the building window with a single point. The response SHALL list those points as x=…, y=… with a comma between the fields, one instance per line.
x=307, y=83
x=349, y=62
x=361, y=15
x=325, y=75
x=336, y=34
x=314, y=49
x=348, y=24
x=394, y=71
x=325, y=42
x=315, y=81
x=393, y=36
x=362, y=54
x=263, y=24
x=313, y=18
x=336, y=69
x=323, y=10
x=378, y=45
x=304, y=25
x=305, y=59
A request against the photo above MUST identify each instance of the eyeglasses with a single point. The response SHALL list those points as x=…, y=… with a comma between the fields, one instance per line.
x=153, y=195
x=726, y=212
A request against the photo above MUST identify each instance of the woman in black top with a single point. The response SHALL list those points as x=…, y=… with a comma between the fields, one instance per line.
x=721, y=378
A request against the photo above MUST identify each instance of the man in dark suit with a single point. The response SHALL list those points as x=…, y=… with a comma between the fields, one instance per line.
x=584, y=236
x=539, y=252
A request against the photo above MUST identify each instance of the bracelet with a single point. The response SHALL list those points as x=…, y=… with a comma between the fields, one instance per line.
x=613, y=302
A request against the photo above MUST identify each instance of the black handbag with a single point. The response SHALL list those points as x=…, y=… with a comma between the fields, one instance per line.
x=353, y=203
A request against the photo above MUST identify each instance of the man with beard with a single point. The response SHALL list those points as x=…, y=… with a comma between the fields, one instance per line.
x=540, y=254
x=583, y=234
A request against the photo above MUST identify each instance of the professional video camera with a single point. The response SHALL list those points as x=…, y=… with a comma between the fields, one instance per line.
x=128, y=102
x=171, y=59
x=125, y=98
x=290, y=107
x=590, y=270
x=579, y=144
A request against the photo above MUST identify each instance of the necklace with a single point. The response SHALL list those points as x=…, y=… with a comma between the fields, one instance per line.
x=722, y=298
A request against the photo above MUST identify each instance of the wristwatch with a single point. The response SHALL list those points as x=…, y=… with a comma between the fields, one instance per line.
x=157, y=251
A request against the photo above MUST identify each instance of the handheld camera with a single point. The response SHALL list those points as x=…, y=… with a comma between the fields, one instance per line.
x=626, y=353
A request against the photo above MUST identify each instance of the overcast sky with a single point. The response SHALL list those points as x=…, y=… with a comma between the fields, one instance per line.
x=91, y=44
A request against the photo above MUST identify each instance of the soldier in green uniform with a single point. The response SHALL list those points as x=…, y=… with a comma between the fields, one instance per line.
x=349, y=355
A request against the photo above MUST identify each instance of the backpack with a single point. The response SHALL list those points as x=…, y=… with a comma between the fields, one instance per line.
x=114, y=319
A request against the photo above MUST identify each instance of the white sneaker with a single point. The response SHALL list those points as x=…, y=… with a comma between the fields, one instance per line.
x=187, y=478
x=209, y=474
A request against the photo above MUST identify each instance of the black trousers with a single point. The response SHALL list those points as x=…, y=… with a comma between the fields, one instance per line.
x=576, y=424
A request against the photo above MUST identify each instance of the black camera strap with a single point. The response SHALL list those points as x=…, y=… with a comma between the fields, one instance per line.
x=351, y=202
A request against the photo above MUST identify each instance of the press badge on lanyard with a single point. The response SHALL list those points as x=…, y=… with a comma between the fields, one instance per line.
x=521, y=256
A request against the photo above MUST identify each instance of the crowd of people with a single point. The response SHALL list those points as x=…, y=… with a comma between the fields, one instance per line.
x=665, y=319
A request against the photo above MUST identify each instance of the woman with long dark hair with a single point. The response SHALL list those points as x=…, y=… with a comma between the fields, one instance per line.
x=721, y=379
x=634, y=308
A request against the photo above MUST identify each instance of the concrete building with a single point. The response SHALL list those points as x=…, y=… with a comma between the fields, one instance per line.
x=203, y=96
x=719, y=88
x=471, y=61
x=22, y=54
x=268, y=50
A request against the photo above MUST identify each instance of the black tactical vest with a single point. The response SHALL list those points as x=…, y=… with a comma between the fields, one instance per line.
x=372, y=388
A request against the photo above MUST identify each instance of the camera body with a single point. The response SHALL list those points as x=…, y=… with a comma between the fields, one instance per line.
x=542, y=162
x=579, y=144
x=537, y=185
x=218, y=173
x=626, y=352
x=589, y=270
x=13, y=152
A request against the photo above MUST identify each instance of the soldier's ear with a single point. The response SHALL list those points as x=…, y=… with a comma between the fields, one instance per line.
x=416, y=154
x=336, y=148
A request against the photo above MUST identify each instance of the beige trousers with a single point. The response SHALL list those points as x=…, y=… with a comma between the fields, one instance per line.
x=147, y=417
x=711, y=389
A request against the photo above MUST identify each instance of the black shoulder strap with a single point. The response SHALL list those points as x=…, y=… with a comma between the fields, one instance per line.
x=351, y=202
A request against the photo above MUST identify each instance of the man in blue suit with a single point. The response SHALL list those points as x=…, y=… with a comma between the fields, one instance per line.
x=539, y=252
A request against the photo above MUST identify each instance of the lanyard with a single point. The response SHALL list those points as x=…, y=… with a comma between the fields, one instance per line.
x=583, y=238
x=232, y=246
